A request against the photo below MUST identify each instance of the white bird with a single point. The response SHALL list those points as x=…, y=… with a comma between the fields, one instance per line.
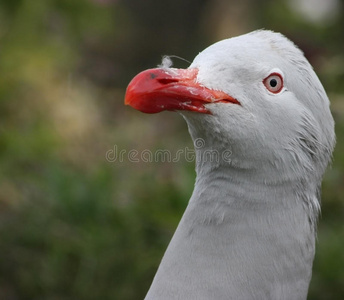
x=248, y=232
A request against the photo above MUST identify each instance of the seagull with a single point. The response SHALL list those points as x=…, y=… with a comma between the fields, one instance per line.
x=249, y=229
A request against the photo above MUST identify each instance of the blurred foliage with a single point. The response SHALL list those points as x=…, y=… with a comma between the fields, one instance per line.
x=75, y=225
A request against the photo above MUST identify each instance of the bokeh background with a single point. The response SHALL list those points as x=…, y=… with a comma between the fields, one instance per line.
x=79, y=221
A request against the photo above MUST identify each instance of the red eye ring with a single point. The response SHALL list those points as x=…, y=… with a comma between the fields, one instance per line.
x=274, y=83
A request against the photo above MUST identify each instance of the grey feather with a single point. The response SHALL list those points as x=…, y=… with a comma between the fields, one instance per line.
x=249, y=229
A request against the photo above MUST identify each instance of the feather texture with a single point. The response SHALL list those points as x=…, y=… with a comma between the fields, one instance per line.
x=249, y=229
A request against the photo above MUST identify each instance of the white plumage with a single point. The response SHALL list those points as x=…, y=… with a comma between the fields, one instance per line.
x=249, y=229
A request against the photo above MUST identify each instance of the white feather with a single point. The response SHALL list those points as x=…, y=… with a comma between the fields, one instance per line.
x=166, y=62
x=249, y=229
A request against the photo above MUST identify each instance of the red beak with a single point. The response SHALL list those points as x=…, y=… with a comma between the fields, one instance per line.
x=155, y=90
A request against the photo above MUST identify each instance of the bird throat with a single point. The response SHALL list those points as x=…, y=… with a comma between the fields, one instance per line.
x=231, y=232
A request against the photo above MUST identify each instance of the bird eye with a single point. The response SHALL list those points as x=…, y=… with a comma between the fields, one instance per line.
x=274, y=83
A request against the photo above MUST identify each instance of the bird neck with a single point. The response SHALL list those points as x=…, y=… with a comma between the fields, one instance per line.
x=251, y=240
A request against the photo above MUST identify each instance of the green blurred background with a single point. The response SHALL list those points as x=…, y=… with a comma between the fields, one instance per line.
x=79, y=222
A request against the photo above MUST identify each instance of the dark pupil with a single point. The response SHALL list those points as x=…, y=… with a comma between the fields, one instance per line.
x=273, y=82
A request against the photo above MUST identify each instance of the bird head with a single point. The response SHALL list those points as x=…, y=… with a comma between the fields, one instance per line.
x=255, y=95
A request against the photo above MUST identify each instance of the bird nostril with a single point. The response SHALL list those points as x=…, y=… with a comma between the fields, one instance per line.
x=167, y=80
